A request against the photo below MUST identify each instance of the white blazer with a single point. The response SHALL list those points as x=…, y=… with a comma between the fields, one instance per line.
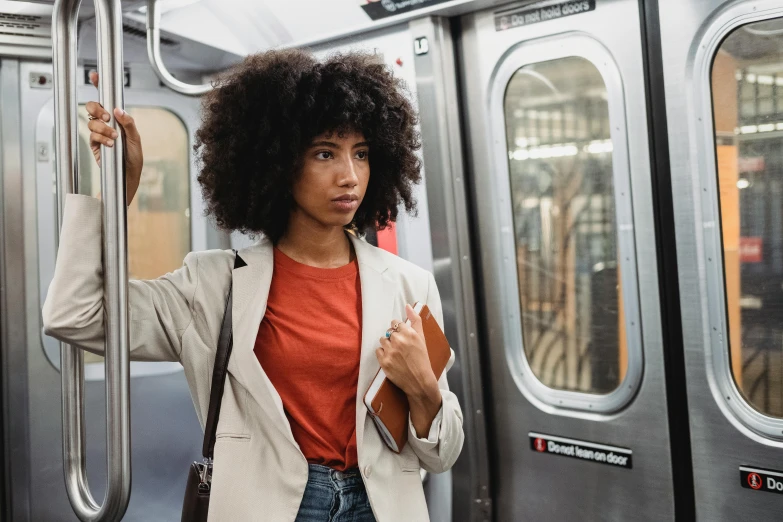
x=259, y=470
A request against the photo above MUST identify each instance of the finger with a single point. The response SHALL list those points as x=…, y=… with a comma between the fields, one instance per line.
x=380, y=355
x=99, y=127
x=95, y=110
x=94, y=78
x=128, y=124
x=414, y=318
x=403, y=330
x=100, y=138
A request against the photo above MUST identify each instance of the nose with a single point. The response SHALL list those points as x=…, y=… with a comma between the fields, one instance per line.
x=349, y=177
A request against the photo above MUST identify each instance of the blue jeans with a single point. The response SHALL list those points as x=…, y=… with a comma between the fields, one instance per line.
x=334, y=496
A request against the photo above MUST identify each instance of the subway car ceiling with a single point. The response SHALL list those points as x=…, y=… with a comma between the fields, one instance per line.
x=209, y=35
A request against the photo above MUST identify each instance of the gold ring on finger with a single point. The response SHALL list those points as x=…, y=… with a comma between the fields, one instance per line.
x=389, y=332
x=91, y=117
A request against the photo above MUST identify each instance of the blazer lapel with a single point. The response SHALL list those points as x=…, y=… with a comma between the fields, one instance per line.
x=377, y=301
x=251, y=290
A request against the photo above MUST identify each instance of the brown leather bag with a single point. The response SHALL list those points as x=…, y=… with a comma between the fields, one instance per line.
x=195, y=506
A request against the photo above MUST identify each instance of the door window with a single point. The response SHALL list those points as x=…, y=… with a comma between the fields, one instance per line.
x=747, y=102
x=562, y=192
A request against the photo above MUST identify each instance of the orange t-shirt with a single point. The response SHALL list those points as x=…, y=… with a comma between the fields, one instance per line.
x=309, y=344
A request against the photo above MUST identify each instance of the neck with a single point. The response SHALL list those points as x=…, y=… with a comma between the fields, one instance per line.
x=315, y=245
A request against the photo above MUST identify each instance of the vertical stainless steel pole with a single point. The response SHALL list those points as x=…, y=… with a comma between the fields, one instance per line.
x=110, y=67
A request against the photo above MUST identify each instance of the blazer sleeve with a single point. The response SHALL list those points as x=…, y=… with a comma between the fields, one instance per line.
x=160, y=310
x=441, y=456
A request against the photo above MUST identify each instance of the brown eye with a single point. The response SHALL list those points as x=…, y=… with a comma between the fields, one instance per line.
x=362, y=154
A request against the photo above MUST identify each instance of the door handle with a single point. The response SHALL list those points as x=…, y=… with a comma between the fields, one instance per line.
x=115, y=260
x=156, y=61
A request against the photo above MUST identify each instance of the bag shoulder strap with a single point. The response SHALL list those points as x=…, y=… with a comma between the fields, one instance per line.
x=225, y=343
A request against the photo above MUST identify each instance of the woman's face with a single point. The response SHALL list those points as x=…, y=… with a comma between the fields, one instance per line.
x=333, y=180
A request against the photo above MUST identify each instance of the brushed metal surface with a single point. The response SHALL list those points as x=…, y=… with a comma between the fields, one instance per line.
x=722, y=440
x=557, y=488
x=156, y=60
x=13, y=335
x=436, y=88
x=115, y=261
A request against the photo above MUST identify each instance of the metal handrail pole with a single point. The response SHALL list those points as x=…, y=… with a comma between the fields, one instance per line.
x=110, y=67
x=156, y=61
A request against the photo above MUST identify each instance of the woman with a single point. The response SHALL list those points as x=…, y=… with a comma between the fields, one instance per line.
x=299, y=152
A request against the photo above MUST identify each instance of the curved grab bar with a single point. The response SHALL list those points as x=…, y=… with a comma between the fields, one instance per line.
x=153, y=53
x=110, y=67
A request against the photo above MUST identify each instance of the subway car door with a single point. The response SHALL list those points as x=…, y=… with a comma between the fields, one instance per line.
x=165, y=222
x=723, y=65
x=560, y=169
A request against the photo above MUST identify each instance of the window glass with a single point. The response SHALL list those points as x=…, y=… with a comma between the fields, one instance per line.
x=560, y=164
x=159, y=216
x=747, y=95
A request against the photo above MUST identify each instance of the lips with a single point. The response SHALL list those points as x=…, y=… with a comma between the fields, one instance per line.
x=346, y=203
x=347, y=197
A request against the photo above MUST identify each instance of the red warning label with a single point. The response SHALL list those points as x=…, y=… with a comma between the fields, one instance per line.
x=582, y=450
x=761, y=479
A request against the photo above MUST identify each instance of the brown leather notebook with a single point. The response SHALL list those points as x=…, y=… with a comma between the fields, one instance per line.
x=387, y=404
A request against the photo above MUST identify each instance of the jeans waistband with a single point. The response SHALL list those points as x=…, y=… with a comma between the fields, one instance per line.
x=332, y=477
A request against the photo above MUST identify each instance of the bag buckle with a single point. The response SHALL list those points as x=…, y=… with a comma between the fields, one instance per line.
x=205, y=475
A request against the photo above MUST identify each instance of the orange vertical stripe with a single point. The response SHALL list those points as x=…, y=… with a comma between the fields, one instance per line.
x=387, y=239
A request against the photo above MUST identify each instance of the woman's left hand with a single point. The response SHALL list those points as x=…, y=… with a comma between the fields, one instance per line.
x=405, y=360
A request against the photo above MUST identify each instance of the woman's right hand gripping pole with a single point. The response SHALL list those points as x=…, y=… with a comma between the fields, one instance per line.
x=102, y=134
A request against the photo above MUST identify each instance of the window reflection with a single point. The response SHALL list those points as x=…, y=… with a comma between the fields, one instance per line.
x=560, y=163
x=747, y=89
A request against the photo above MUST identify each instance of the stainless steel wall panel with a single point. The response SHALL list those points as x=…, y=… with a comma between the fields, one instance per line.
x=527, y=485
x=12, y=296
x=452, y=259
x=721, y=440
